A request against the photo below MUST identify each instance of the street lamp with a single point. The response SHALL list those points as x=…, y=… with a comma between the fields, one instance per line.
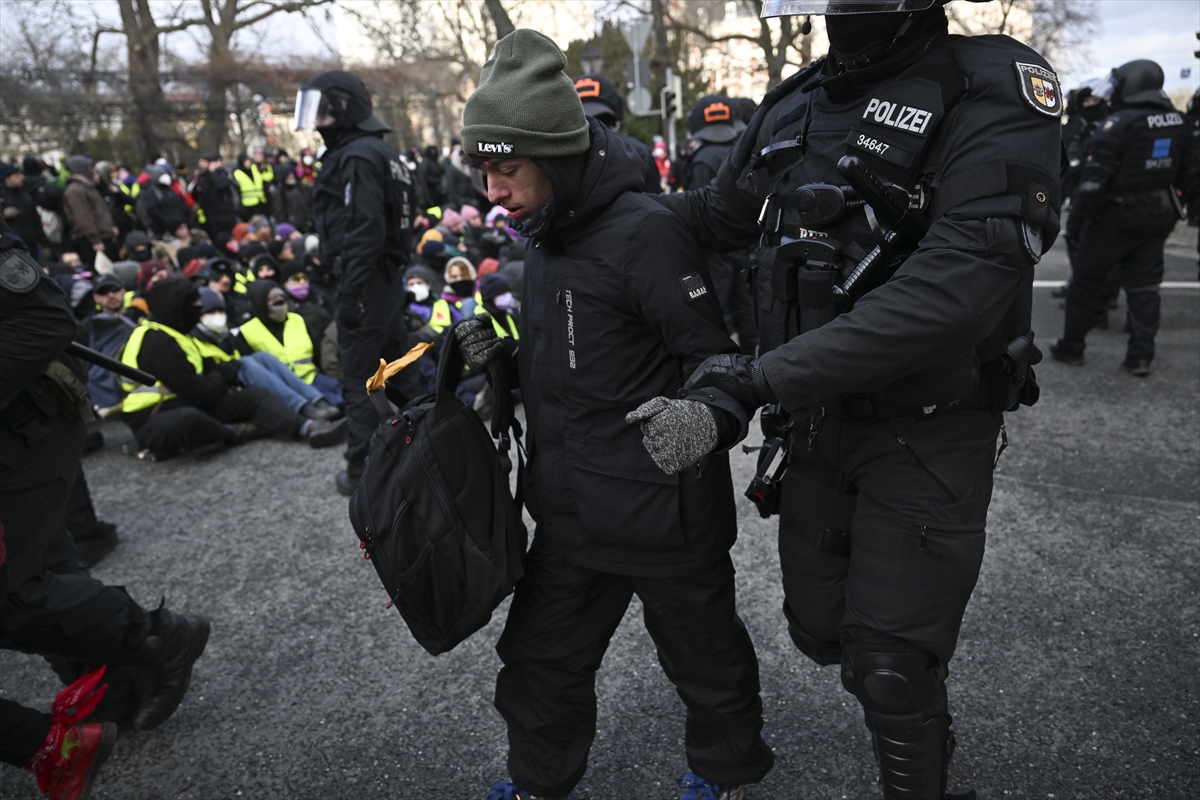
x=591, y=60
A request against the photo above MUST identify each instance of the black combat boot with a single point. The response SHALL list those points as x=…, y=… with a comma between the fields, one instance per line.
x=174, y=644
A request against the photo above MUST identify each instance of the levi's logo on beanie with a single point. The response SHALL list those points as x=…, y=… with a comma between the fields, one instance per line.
x=494, y=148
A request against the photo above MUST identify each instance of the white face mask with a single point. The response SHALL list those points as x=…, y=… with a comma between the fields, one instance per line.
x=165, y=180
x=217, y=323
x=420, y=292
x=308, y=161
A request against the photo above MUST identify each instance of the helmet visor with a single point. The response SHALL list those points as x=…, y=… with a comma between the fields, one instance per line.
x=307, y=103
x=1107, y=87
x=791, y=8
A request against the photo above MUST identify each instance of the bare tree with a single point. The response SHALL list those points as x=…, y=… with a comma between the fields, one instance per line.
x=1058, y=29
x=781, y=39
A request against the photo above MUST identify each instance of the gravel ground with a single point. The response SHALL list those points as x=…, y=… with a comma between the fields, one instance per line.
x=1076, y=674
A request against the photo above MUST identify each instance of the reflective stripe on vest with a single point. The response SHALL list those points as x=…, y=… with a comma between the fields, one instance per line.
x=500, y=329
x=296, y=349
x=440, y=318
x=139, y=397
x=251, y=186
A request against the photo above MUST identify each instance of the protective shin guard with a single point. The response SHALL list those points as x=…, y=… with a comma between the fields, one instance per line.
x=913, y=753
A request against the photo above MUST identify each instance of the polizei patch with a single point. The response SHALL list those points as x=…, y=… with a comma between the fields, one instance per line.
x=495, y=148
x=1040, y=88
x=694, y=286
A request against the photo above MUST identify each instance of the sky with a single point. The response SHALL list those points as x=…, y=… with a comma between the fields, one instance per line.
x=1162, y=30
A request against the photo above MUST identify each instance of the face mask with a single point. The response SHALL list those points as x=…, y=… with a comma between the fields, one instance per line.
x=217, y=323
x=165, y=180
x=277, y=313
x=462, y=288
x=298, y=292
x=505, y=302
x=420, y=292
x=308, y=161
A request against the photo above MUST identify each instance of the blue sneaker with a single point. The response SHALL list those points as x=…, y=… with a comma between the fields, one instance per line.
x=506, y=790
x=696, y=788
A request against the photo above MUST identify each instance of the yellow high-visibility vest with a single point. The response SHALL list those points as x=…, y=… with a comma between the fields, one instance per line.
x=440, y=318
x=501, y=331
x=139, y=397
x=251, y=186
x=210, y=350
x=296, y=349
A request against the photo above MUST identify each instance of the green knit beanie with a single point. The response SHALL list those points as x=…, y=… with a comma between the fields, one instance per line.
x=525, y=105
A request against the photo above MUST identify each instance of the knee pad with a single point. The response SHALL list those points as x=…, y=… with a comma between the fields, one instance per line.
x=892, y=678
x=824, y=653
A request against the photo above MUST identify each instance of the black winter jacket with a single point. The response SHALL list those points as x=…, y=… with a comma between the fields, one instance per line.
x=616, y=310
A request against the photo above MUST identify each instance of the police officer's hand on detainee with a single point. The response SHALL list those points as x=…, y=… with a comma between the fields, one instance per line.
x=676, y=433
x=477, y=340
x=738, y=376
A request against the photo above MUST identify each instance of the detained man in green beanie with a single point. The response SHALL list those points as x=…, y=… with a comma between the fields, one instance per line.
x=617, y=309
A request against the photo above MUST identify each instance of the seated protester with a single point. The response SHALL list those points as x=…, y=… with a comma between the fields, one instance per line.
x=472, y=232
x=220, y=275
x=451, y=229
x=281, y=250
x=149, y=273
x=433, y=255
x=308, y=304
x=461, y=291
x=255, y=369
x=264, y=267
x=138, y=246
x=106, y=331
x=244, y=264
x=227, y=246
x=428, y=318
x=498, y=301
x=610, y=523
x=196, y=401
x=487, y=267
x=278, y=330
x=160, y=210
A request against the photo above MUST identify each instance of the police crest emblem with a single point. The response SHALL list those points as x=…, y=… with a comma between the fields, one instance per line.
x=18, y=272
x=1040, y=88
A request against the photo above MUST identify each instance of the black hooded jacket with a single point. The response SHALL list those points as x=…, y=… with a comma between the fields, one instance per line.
x=174, y=302
x=616, y=310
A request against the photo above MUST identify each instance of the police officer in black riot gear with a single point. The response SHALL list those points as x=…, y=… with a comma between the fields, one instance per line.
x=1127, y=195
x=713, y=125
x=54, y=607
x=900, y=192
x=602, y=100
x=363, y=208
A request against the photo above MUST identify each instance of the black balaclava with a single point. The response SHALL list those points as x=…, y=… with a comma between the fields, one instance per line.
x=867, y=48
x=175, y=302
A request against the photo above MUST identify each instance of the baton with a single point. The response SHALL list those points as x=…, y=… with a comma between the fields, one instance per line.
x=111, y=364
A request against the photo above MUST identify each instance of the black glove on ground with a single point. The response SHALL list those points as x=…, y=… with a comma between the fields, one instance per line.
x=478, y=341
x=738, y=376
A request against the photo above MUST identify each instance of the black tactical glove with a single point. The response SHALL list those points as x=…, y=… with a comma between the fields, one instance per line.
x=477, y=340
x=676, y=433
x=738, y=376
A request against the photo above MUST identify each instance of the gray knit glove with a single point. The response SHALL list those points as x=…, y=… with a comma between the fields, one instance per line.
x=676, y=433
x=478, y=340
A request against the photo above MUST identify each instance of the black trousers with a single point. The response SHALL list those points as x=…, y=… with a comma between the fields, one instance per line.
x=911, y=496
x=561, y=620
x=377, y=335
x=172, y=431
x=1137, y=255
x=22, y=731
x=733, y=293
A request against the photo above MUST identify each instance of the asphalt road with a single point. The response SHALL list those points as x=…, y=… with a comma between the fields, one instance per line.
x=1076, y=675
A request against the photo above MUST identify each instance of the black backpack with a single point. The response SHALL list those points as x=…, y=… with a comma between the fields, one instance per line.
x=434, y=511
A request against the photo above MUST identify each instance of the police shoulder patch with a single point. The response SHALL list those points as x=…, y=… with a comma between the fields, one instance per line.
x=1040, y=88
x=694, y=286
x=18, y=272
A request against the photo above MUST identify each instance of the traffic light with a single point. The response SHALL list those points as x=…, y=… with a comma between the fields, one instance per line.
x=668, y=104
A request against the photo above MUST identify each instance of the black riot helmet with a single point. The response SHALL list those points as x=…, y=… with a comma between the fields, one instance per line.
x=712, y=119
x=1132, y=83
x=601, y=99
x=341, y=96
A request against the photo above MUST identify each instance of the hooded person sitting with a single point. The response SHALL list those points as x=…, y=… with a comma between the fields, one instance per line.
x=255, y=369
x=196, y=401
x=278, y=330
x=308, y=304
x=460, y=291
x=106, y=331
